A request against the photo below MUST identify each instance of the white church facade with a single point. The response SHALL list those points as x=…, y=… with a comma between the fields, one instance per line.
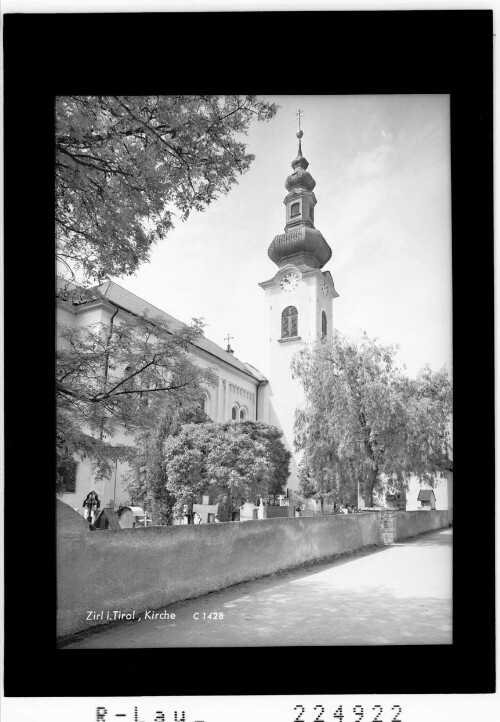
x=238, y=394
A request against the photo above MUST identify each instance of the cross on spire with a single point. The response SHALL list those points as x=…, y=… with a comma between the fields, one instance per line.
x=229, y=338
x=299, y=115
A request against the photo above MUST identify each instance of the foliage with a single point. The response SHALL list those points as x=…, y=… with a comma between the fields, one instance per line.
x=147, y=479
x=365, y=420
x=327, y=485
x=278, y=456
x=231, y=462
x=126, y=164
x=118, y=377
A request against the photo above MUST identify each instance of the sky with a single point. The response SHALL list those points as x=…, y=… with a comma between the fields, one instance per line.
x=382, y=170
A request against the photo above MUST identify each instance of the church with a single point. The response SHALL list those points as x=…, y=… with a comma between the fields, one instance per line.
x=299, y=300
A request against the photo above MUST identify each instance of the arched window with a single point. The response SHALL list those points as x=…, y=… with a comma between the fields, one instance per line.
x=289, y=322
x=243, y=414
x=234, y=413
x=323, y=325
x=295, y=209
x=205, y=403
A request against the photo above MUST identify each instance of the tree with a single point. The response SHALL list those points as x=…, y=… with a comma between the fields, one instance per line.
x=147, y=479
x=118, y=378
x=126, y=164
x=231, y=462
x=277, y=455
x=365, y=421
x=326, y=484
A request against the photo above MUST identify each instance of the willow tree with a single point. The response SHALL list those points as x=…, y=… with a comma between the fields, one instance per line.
x=365, y=422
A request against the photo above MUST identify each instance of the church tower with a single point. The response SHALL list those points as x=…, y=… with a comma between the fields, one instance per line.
x=299, y=298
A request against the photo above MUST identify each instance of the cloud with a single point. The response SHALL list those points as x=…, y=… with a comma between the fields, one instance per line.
x=373, y=163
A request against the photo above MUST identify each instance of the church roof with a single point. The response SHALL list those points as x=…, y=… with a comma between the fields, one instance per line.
x=134, y=304
x=304, y=243
x=255, y=372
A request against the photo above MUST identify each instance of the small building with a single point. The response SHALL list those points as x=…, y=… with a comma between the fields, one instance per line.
x=274, y=511
x=207, y=512
x=395, y=501
x=249, y=511
x=131, y=517
x=442, y=488
x=427, y=499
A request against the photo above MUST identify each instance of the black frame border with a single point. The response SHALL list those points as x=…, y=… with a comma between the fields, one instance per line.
x=265, y=53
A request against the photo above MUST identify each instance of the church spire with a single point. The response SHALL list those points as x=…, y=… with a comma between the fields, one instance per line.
x=300, y=176
x=300, y=161
x=301, y=243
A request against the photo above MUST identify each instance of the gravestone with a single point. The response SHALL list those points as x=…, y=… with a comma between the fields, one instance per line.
x=107, y=519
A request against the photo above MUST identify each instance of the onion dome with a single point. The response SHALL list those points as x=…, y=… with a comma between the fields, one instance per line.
x=301, y=243
x=302, y=246
x=301, y=178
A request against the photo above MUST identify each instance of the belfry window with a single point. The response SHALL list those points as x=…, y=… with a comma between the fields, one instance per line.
x=289, y=322
x=323, y=325
x=294, y=209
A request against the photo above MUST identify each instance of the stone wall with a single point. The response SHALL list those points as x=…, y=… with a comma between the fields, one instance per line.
x=412, y=523
x=398, y=525
x=387, y=520
x=152, y=567
x=274, y=512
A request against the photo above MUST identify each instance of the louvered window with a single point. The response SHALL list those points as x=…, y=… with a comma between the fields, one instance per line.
x=295, y=209
x=289, y=322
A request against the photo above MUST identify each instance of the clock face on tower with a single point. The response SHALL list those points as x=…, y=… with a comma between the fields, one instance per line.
x=324, y=287
x=289, y=282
